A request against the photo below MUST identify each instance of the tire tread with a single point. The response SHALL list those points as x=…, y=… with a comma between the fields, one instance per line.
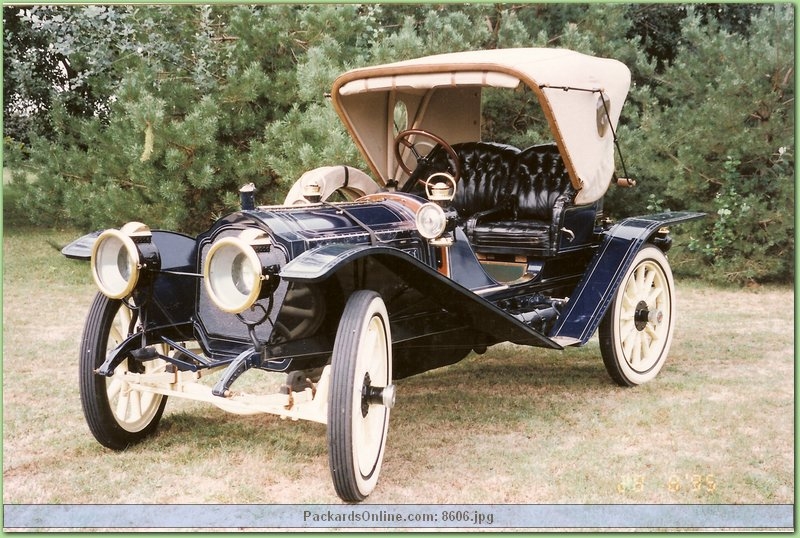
x=340, y=438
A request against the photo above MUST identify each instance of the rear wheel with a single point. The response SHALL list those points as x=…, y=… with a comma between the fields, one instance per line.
x=636, y=332
x=118, y=416
x=360, y=397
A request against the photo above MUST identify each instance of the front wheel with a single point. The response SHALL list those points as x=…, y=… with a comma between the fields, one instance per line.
x=636, y=332
x=118, y=415
x=360, y=397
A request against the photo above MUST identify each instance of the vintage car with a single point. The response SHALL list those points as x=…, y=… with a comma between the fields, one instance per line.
x=448, y=244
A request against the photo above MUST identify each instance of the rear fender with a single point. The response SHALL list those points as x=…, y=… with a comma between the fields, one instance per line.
x=603, y=276
x=325, y=262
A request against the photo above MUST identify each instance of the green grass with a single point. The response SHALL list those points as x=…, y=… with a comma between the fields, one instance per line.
x=515, y=425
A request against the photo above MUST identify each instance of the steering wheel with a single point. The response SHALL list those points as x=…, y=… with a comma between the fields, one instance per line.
x=403, y=139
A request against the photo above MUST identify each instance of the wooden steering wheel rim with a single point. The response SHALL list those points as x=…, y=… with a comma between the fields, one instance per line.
x=401, y=139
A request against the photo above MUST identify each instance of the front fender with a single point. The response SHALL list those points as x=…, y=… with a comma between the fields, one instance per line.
x=603, y=276
x=177, y=250
x=324, y=262
x=81, y=248
x=318, y=264
x=168, y=304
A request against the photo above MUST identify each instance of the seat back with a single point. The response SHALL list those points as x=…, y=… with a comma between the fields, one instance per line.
x=487, y=176
x=495, y=176
x=540, y=178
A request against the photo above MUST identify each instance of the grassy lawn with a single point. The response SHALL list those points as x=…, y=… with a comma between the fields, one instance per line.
x=515, y=425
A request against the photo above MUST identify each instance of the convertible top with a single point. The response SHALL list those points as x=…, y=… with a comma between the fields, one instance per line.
x=577, y=92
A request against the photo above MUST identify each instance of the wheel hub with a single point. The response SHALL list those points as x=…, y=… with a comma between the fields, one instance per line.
x=644, y=315
x=370, y=395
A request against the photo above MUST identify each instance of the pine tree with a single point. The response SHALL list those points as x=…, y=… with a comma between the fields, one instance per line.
x=160, y=113
x=717, y=135
x=175, y=148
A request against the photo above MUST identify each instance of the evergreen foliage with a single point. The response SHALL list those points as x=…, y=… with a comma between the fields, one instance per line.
x=160, y=113
x=716, y=132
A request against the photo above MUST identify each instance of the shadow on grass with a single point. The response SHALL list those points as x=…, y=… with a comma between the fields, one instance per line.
x=509, y=385
x=204, y=429
x=501, y=390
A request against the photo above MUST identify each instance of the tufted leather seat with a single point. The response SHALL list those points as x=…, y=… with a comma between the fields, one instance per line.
x=486, y=176
x=511, y=200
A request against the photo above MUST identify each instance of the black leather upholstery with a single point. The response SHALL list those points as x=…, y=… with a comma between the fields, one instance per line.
x=541, y=179
x=513, y=235
x=486, y=176
x=511, y=200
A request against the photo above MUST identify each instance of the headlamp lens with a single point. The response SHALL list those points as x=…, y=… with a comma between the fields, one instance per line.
x=124, y=264
x=232, y=275
x=242, y=274
x=431, y=221
x=115, y=264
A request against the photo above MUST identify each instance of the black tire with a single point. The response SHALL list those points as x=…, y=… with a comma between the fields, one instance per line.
x=636, y=332
x=117, y=416
x=362, y=355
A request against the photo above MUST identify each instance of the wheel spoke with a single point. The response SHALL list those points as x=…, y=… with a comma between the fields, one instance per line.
x=636, y=352
x=651, y=331
x=300, y=292
x=646, y=342
x=639, y=279
x=136, y=411
x=115, y=336
x=114, y=387
x=627, y=329
x=629, y=299
x=122, y=406
x=649, y=278
x=296, y=311
x=155, y=367
x=628, y=343
x=654, y=295
x=282, y=330
x=628, y=311
x=371, y=343
x=119, y=329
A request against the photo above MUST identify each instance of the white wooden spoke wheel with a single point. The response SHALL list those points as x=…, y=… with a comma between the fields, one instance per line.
x=360, y=397
x=636, y=332
x=117, y=415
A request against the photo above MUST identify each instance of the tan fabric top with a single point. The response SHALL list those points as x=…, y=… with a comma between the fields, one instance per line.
x=576, y=114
